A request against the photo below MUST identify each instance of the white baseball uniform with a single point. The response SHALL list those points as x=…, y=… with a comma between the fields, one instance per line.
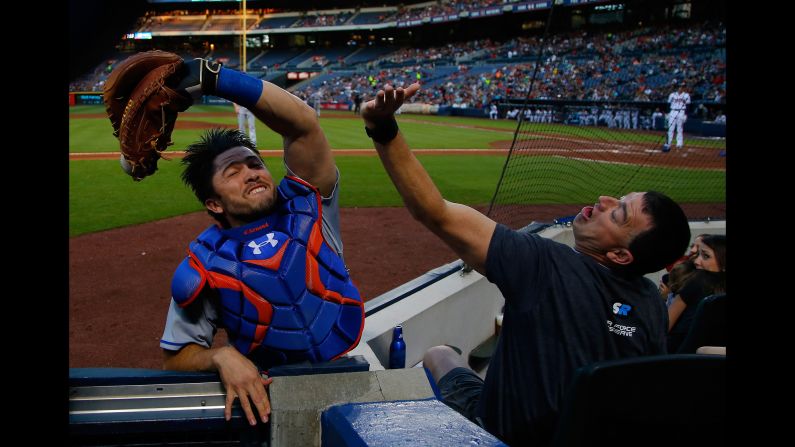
x=677, y=116
x=493, y=112
x=246, y=119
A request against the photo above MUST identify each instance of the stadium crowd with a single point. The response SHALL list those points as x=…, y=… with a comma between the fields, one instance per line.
x=635, y=65
x=445, y=7
x=638, y=65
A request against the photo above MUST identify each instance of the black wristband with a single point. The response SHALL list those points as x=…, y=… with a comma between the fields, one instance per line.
x=209, y=76
x=384, y=132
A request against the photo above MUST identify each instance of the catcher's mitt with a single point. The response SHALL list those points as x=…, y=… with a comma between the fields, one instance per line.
x=142, y=104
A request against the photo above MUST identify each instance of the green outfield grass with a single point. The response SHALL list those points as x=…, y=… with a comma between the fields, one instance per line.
x=589, y=132
x=102, y=197
x=344, y=131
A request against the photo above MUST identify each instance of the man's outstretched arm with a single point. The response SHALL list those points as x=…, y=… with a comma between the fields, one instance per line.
x=467, y=231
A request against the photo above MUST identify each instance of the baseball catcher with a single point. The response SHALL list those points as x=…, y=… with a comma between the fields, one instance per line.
x=143, y=96
x=269, y=270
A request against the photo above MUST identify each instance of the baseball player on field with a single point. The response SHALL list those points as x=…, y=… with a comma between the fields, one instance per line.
x=247, y=121
x=677, y=116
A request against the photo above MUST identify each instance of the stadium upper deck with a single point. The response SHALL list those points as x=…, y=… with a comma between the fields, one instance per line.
x=183, y=22
x=622, y=62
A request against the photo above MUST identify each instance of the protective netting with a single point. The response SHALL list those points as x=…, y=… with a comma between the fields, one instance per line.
x=569, y=149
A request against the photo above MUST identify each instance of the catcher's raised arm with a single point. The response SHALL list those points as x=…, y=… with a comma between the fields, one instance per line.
x=144, y=94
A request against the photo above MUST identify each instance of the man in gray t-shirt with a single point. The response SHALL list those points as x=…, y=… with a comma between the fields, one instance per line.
x=564, y=307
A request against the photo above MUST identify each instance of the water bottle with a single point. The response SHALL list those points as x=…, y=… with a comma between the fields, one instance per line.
x=397, y=350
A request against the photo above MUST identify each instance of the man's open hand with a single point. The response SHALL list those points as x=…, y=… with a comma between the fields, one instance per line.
x=386, y=102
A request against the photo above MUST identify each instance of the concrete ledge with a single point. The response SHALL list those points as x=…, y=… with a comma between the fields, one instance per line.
x=459, y=310
x=297, y=402
x=406, y=423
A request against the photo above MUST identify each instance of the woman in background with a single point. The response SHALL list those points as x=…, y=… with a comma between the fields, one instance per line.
x=672, y=282
x=708, y=279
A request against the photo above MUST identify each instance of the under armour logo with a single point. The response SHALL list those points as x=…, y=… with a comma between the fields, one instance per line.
x=256, y=246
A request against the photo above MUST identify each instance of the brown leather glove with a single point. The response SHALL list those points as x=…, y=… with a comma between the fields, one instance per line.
x=142, y=102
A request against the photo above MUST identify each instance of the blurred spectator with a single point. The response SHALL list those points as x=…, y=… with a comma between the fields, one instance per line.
x=246, y=122
x=692, y=252
x=701, y=112
x=656, y=119
x=672, y=282
x=357, y=102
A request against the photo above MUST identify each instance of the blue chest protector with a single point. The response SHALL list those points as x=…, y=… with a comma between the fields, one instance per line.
x=285, y=295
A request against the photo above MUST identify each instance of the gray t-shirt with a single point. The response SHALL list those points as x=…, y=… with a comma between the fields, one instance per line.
x=563, y=310
x=198, y=323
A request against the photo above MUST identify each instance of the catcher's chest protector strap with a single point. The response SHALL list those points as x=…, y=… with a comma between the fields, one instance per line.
x=285, y=295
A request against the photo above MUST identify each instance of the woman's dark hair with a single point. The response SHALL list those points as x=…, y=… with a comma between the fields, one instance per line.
x=717, y=242
x=679, y=274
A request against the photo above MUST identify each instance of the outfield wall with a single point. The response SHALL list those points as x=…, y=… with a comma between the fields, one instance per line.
x=563, y=111
x=95, y=98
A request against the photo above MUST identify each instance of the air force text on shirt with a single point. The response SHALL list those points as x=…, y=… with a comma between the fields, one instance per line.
x=621, y=309
x=620, y=329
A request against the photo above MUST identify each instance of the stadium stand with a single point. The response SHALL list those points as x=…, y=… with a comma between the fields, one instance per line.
x=174, y=23
x=627, y=74
x=367, y=54
x=277, y=22
x=637, y=63
x=228, y=23
x=278, y=57
x=364, y=18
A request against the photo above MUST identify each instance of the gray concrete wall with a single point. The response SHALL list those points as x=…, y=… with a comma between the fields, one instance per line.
x=297, y=402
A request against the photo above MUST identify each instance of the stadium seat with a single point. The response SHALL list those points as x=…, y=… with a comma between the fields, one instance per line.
x=712, y=350
x=709, y=326
x=666, y=400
